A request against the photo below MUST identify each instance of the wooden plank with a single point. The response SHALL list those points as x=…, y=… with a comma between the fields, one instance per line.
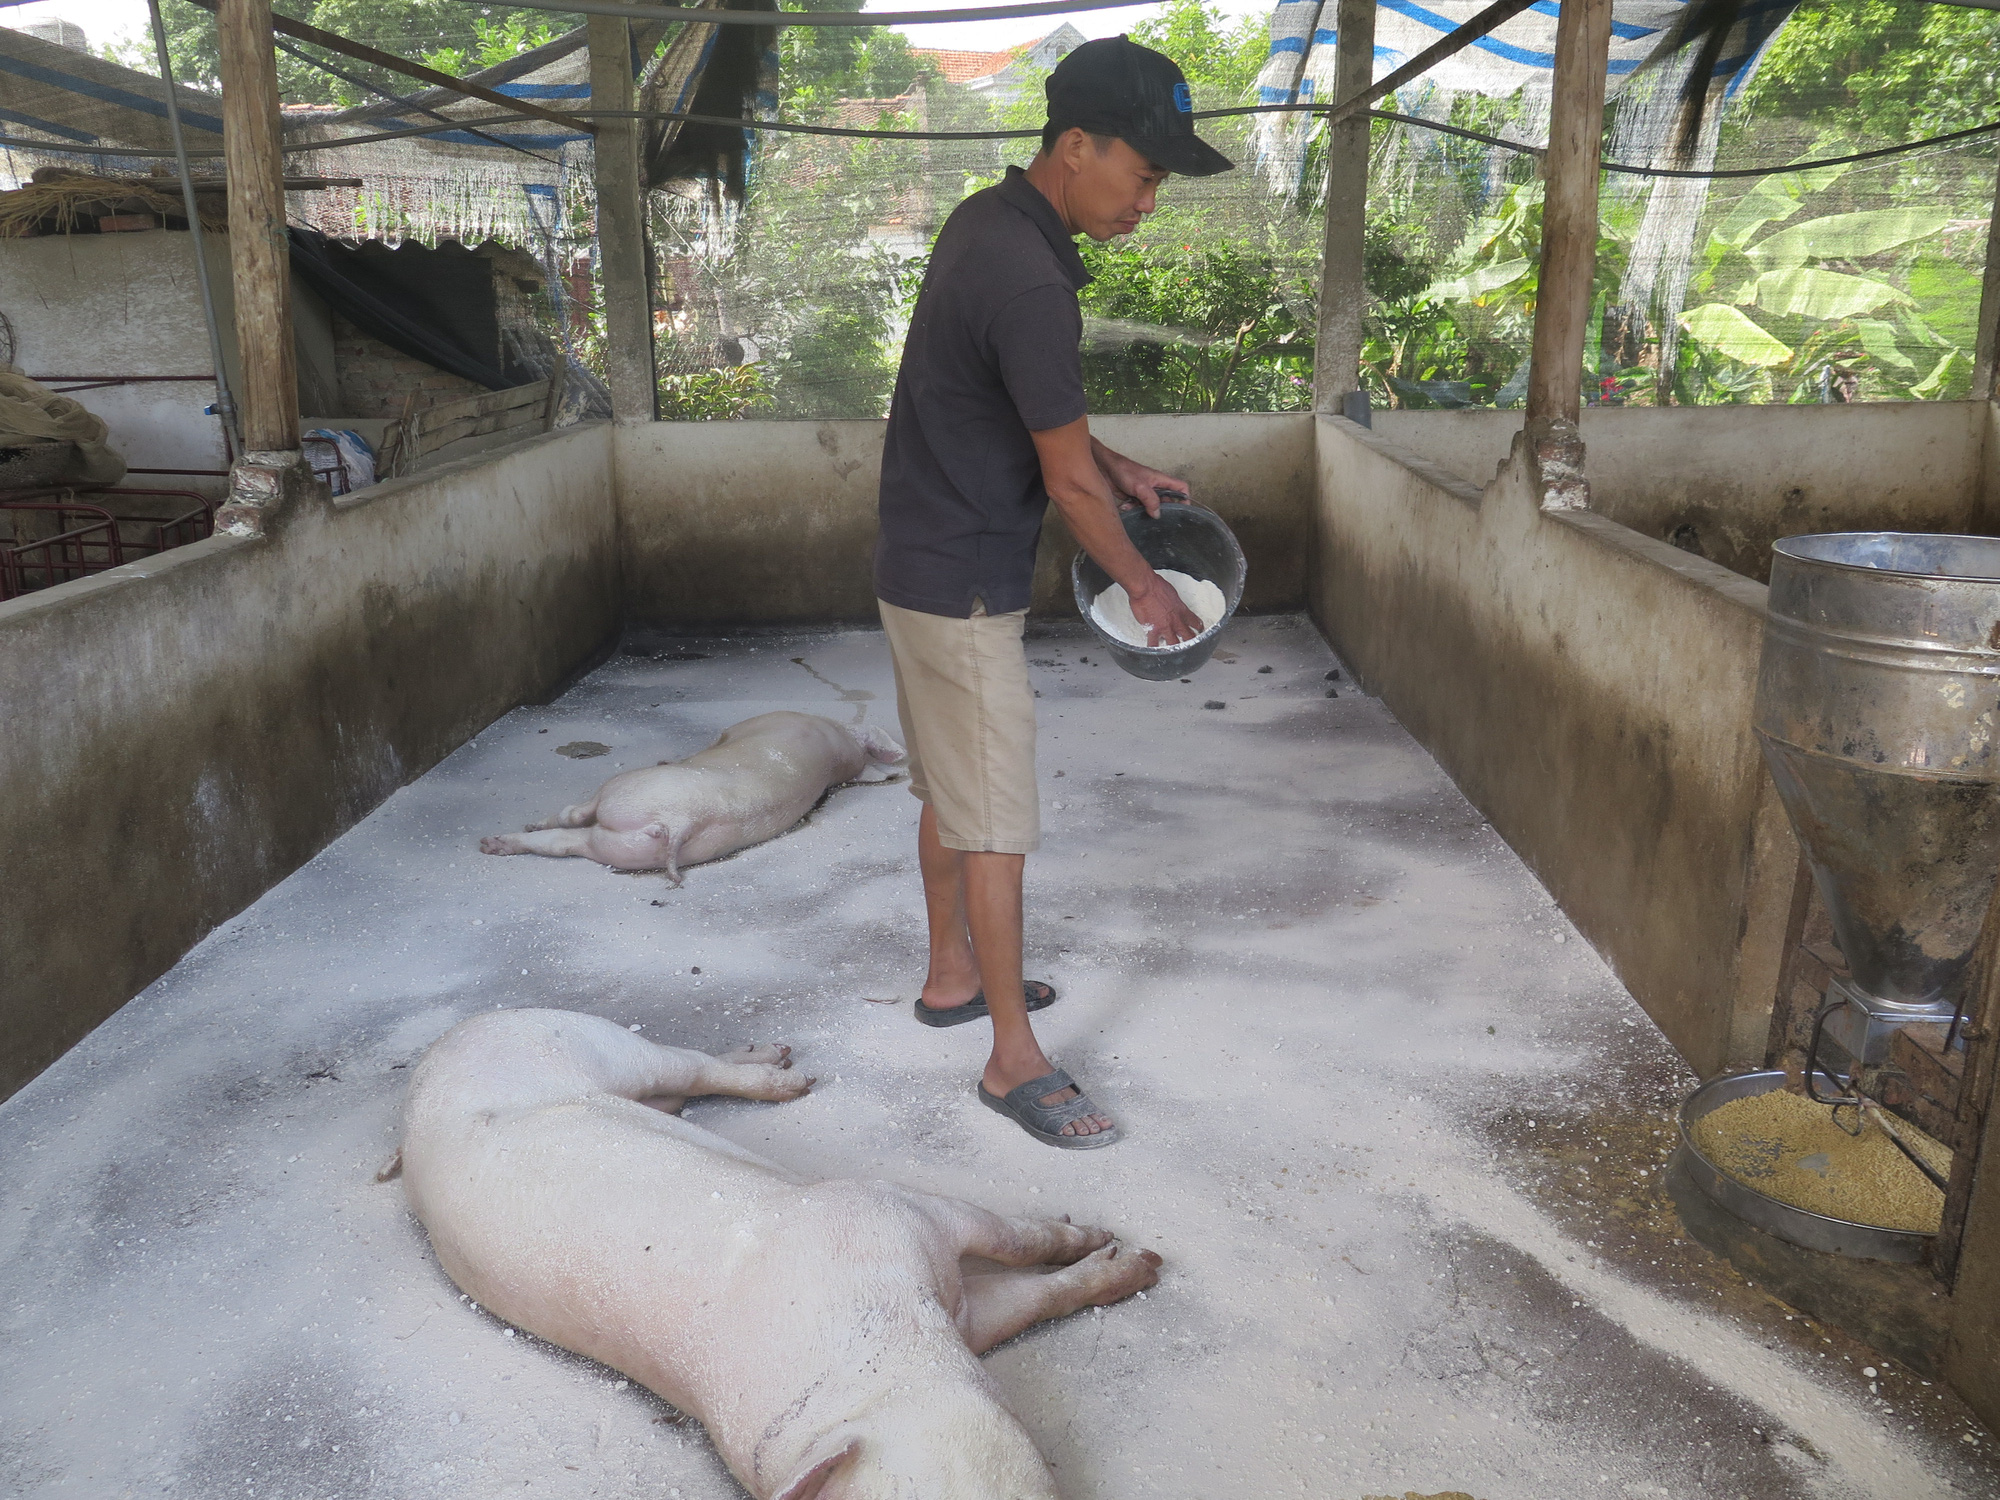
x=1784, y=1005
x=1343, y=279
x=521, y=397
x=1970, y=1174
x=1569, y=211
x=476, y=426
x=1967, y=1253
x=621, y=228
x=361, y=52
x=259, y=250
x=522, y=409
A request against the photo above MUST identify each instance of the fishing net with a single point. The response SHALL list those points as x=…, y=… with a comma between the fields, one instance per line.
x=783, y=266
x=1855, y=281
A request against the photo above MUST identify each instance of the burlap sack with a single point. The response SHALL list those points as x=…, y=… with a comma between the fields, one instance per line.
x=33, y=411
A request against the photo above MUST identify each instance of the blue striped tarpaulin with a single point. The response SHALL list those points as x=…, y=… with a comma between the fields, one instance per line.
x=1516, y=59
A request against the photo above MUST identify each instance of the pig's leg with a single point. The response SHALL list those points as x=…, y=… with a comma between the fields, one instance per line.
x=561, y=843
x=756, y=1071
x=577, y=815
x=972, y=1230
x=648, y=848
x=998, y=1306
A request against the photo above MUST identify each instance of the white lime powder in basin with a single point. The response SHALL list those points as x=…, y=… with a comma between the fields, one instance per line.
x=1112, y=609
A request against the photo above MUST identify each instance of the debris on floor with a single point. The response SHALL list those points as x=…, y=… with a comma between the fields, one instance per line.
x=1398, y=1147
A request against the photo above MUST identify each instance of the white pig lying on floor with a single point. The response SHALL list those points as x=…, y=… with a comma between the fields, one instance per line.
x=823, y=1332
x=757, y=779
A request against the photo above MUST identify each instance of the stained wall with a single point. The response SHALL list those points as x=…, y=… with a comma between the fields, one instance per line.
x=183, y=733
x=773, y=523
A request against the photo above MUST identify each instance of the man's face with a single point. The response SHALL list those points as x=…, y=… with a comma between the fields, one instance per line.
x=1109, y=190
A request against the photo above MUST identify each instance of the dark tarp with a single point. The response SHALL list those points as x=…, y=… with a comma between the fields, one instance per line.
x=434, y=305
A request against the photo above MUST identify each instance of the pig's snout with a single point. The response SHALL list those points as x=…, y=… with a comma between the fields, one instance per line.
x=882, y=750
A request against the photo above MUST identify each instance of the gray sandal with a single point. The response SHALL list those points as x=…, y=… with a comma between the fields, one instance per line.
x=1045, y=1121
x=1038, y=995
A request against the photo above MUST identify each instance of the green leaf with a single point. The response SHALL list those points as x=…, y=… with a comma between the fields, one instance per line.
x=1879, y=339
x=1932, y=384
x=1772, y=198
x=1811, y=293
x=1949, y=295
x=1847, y=236
x=1479, y=281
x=1727, y=331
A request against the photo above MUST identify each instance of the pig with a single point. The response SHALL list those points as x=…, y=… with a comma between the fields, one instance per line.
x=757, y=779
x=825, y=1333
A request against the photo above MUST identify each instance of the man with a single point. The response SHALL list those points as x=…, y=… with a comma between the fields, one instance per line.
x=987, y=426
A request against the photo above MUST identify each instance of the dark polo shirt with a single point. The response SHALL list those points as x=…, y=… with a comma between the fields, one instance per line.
x=991, y=357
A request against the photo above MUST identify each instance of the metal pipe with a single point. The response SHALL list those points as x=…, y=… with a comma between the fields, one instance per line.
x=225, y=405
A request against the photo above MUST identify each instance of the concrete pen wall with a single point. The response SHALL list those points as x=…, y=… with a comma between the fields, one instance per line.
x=1725, y=482
x=773, y=523
x=183, y=733
x=1589, y=689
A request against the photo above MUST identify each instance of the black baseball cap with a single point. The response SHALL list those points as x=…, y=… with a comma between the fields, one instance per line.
x=1113, y=86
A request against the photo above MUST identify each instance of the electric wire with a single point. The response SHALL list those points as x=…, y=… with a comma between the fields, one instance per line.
x=408, y=103
x=705, y=16
x=792, y=127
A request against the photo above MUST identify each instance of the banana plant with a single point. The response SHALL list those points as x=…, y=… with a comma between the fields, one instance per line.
x=1811, y=305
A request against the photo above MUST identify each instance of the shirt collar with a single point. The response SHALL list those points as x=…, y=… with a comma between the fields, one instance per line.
x=1024, y=195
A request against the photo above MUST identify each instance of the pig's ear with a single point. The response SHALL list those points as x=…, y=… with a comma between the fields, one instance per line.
x=809, y=1484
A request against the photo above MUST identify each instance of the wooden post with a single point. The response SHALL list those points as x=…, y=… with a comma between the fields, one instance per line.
x=1343, y=279
x=1569, y=212
x=259, y=252
x=621, y=227
x=1989, y=308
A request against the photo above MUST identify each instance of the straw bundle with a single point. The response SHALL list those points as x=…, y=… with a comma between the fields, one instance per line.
x=59, y=201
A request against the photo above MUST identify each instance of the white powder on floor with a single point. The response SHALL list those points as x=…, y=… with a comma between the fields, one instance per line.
x=1112, y=609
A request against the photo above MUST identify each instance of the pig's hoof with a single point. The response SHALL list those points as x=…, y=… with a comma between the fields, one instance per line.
x=497, y=844
x=1120, y=1275
x=774, y=1053
x=1073, y=1242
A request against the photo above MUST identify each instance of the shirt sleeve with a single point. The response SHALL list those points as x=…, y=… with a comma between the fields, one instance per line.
x=1035, y=338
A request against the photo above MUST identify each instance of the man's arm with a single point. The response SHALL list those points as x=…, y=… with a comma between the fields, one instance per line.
x=1085, y=490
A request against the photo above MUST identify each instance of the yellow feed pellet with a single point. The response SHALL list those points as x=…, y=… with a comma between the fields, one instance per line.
x=1788, y=1147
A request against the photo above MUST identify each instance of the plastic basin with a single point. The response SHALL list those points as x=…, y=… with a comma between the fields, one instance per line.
x=1190, y=540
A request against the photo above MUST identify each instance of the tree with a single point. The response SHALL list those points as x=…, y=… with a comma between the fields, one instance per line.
x=821, y=64
x=444, y=34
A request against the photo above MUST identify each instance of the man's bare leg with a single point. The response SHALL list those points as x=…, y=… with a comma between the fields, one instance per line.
x=954, y=973
x=992, y=885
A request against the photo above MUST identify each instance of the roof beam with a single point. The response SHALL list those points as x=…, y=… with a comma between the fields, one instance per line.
x=361, y=52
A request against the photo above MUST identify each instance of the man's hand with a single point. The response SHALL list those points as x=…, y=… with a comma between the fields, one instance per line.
x=1148, y=486
x=1076, y=473
x=1167, y=619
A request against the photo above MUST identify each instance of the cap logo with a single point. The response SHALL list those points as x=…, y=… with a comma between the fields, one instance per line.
x=1183, y=99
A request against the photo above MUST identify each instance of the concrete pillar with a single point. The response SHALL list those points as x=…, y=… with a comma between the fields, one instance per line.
x=1989, y=308
x=1343, y=281
x=1569, y=247
x=621, y=226
x=259, y=252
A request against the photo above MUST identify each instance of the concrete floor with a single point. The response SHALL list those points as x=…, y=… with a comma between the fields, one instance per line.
x=1394, y=1127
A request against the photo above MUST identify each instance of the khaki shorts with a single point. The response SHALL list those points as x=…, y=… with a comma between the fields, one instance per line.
x=968, y=718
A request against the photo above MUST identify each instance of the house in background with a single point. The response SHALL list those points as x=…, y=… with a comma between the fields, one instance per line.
x=1006, y=75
